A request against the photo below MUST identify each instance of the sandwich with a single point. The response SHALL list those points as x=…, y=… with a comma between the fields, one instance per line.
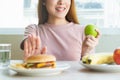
x=100, y=58
x=40, y=61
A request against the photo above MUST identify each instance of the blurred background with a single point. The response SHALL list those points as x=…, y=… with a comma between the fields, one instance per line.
x=15, y=15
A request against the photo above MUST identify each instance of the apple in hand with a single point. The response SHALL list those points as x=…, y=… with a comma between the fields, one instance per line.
x=116, y=56
x=91, y=30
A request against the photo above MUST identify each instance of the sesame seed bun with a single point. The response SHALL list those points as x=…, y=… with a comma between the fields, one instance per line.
x=40, y=58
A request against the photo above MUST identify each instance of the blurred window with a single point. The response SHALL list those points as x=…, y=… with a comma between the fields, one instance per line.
x=105, y=14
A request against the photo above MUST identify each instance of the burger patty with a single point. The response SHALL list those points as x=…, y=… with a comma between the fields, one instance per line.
x=40, y=65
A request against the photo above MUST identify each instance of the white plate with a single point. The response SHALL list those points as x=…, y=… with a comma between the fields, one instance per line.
x=103, y=67
x=60, y=67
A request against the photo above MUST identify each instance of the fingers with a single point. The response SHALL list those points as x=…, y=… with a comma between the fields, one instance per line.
x=29, y=46
x=99, y=34
x=91, y=41
x=33, y=41
x=26, y=49
x=38, y=42
x=32, y=45
x=44, y=50
x=38, y=45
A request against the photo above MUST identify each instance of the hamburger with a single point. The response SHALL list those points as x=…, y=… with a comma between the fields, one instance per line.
x=40, y=61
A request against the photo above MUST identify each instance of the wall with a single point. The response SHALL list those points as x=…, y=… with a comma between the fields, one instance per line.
x=107, y=44
x=15, y=40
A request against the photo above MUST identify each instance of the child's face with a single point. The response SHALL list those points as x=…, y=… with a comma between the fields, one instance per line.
x=57, y=8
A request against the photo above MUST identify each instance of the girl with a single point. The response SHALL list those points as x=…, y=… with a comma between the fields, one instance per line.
x=58, y=32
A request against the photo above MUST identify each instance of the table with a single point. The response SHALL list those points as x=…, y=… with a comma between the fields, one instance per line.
x=75, y=72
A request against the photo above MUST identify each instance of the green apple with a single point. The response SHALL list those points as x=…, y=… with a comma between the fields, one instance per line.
x=91, y=30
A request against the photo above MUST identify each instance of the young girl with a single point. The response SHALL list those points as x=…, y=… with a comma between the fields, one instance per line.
x=58, y=32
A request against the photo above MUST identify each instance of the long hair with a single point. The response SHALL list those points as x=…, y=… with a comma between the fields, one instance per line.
x=43, y=14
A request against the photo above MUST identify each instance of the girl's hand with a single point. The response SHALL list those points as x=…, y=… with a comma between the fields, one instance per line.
x=32, y=46
x=89, y=43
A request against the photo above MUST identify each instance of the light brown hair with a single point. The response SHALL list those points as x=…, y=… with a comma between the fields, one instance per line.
x=43, y=14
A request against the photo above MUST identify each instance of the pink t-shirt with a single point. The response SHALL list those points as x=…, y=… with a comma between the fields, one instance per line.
x=63, y=41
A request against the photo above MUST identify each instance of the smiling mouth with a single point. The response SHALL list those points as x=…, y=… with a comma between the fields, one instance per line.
x=60, y=9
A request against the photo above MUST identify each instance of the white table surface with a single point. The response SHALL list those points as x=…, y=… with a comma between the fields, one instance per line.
x=75, y=72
